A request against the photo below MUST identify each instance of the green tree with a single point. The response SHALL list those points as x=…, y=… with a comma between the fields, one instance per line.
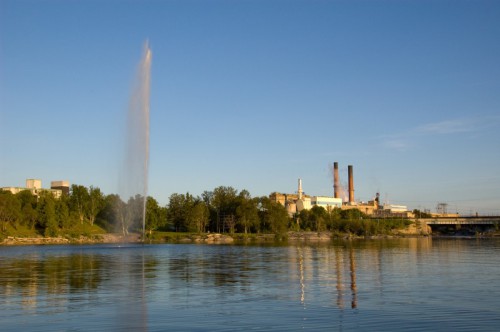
x=273, y=216
x=28, y=208
x=10, y=209
x=187, y=213
x=224, y=202
x=334, y=219
x=112, y=216
x=319, y=217
x=95, y=203
x=177, y=210
x=198, y=216
x=207, y=197
x=79, y=200
x=155, y=215
x=305, y=220
x=47, y=214
x=352, y=214
x=62, y=212
x=247, y=213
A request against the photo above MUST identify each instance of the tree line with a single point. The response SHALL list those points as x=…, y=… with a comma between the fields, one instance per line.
x=222, y=210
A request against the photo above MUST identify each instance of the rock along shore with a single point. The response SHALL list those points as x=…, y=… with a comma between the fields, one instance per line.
x=209, y=238
x=100, y=238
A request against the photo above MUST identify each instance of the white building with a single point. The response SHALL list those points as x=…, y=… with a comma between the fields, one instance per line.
x=395, y=208
x=326, y=202
x=33, y=184
x=35, y=187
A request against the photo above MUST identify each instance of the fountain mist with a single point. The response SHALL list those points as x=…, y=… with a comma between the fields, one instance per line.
x=134, y=177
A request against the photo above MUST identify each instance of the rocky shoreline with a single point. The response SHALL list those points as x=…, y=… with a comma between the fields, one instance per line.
x=100, y=238
x=209, y=238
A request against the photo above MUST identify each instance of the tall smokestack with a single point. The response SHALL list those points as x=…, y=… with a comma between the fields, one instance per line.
x=300, y=189
x=351, y=184
x=336, y=185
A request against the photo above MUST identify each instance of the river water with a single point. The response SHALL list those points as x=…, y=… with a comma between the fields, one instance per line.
x=363, y=285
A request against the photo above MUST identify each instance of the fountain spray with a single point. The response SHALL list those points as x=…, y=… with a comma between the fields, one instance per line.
x=134, y=180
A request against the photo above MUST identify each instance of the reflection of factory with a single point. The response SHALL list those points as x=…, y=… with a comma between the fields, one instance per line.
x=57, y=188
x=297, y=202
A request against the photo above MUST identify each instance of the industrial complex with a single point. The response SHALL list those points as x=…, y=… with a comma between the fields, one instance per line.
x=296, y=202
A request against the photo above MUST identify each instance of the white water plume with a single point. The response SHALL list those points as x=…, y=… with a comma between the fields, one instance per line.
x=135, y=170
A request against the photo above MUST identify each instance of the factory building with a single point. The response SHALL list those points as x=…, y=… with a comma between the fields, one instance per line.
x=327, y=202
x=299, y=201
x=393, y=211
x=369, y=208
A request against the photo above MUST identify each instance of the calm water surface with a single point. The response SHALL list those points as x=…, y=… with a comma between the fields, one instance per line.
x=366, y=285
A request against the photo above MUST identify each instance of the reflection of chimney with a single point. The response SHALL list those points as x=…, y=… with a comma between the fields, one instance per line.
x=354, y=288
x=351, y=184
x=336, y=180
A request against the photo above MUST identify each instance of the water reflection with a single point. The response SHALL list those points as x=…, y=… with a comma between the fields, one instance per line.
x=352, y=261
x=28, y=276
x=203, y=287
x=131, y=274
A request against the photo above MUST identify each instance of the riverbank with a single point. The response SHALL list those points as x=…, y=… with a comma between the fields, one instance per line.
x=208, y=238
x=94, y=239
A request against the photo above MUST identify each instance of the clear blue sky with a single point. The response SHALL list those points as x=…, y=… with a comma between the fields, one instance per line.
x=255, y=94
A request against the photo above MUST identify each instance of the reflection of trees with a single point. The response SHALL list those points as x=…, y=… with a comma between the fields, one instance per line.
x=54, y=275
x=65, y=283
x=223, y=270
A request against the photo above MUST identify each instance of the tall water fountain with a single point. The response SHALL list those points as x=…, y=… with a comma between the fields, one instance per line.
x=134, y=175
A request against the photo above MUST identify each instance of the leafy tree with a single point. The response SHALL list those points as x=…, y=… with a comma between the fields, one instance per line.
x=305, y=220
x=176, y=212
x=187, y=213
x=352, y=214
x=198, y=216
x=319, y=217
x=29, y=216
x=246, y=212
x=155, y=215
x=113, y=215
x=224, y=202
x=28, y=208
x=10, y=209
x=62, y=212
x=47, y=214
x=273, y=216
x=79, y=200
x=95, y=203
x=334, y=219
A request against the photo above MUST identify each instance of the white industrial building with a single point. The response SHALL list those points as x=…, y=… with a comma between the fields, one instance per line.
x=297, y=202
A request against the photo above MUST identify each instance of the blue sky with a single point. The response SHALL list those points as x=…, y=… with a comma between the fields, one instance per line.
x=255, y=94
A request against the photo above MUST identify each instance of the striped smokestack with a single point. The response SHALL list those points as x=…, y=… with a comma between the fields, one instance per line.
x=336, y=180
x=351, y=184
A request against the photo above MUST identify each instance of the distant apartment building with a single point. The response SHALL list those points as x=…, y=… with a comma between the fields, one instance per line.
x=58, y=188
x=60, y=185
